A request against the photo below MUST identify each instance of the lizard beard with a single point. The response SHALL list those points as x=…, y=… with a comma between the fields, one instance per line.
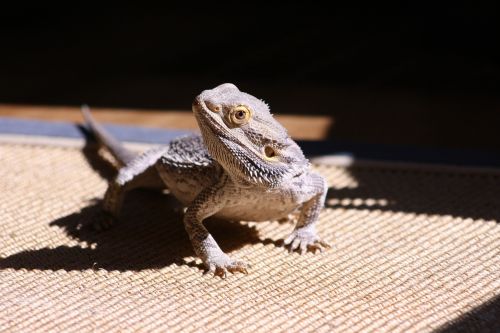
x=245, y=165
x=243, y=161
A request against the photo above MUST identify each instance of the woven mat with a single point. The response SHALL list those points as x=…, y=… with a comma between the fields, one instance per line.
x=415, y=250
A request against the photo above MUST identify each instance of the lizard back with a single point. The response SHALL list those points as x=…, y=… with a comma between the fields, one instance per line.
x=187, y=167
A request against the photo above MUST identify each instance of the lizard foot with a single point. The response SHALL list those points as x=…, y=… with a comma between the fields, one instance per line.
x=222, y=265
x=103, y=222
x=305, y=240
x=290, y=218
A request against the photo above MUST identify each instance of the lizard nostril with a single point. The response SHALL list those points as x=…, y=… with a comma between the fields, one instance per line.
x=196, y=106
x=213, y=107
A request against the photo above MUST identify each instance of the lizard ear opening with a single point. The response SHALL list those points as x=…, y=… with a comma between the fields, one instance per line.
x=269, y=152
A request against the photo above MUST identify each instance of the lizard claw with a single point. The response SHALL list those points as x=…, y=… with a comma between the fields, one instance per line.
x=221, y=267
x=303, y=241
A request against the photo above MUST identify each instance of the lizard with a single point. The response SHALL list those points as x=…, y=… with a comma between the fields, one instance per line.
x=242, y=167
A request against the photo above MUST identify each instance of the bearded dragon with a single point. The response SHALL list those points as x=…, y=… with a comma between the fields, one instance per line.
x=243, y=167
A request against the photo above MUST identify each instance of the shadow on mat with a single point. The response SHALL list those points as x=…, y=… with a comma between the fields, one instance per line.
x=103, y=167
x=484, y=318
x=149, y=235
x=466, y=195
x=420, y=191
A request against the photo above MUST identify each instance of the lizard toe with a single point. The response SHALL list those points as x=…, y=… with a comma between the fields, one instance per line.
x=225, y=265
x=238, y=266
x=103, y=222
x=318, y=246
x=305, y=242
x=220, y=272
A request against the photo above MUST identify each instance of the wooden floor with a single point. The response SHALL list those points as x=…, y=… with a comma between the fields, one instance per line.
x=300, y=127
x=446, y=123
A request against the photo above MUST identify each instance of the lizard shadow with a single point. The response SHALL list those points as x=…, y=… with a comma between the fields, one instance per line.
x=102, y=166
x=150, y=233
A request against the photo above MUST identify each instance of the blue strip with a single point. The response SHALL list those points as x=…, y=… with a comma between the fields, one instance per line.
x=460, y=157
x=37, y=127
x=68, y=130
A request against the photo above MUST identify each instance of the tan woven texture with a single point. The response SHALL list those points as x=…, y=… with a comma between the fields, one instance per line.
x=415, y=250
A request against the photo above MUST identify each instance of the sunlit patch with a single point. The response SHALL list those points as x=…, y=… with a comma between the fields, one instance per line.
x=337, y=178
x=358, y=202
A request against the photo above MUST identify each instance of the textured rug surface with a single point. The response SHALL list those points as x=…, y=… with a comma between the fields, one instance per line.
x=416, y=249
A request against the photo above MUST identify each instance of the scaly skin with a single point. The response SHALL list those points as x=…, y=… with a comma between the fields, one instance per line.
x=244, y=159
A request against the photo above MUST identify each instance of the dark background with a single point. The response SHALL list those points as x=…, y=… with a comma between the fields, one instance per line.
x=414, y=74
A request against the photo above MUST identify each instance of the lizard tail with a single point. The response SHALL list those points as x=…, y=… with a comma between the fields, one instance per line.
x=115, y=147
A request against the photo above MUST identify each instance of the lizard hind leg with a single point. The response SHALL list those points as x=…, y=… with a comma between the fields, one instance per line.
x=140, y=173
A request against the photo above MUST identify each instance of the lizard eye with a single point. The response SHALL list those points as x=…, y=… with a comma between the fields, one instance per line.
x=240, y=115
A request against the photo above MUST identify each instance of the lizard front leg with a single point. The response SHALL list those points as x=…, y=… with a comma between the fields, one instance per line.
x=305, y=237
x=208, y=202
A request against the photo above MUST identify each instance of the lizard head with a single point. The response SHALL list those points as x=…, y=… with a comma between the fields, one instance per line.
x=241, y=134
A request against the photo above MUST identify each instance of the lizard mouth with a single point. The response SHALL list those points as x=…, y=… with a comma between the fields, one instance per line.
x=201, y=110
x=205, y=120
x=208, y=122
